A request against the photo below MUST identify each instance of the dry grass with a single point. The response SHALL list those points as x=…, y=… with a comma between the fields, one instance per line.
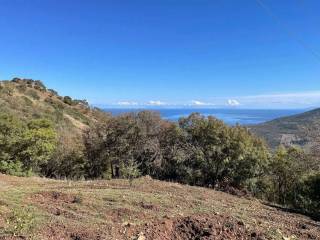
x=36, y=208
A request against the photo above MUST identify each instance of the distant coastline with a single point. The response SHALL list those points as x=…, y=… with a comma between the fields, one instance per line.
x=230, y=116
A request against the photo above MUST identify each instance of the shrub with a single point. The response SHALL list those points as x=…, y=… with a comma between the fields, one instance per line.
x=13, y=168
x=131, y=170
x=53, y=92
x=67, y=100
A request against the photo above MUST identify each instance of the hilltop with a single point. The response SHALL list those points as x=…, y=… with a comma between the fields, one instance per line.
x=302, y=130
x=39, y=208
x=29, y=99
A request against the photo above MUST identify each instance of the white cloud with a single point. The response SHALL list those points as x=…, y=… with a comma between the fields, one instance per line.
x=156, y=103
x=127, y=103
x=233, y=102
x=266, y=101
x=200, y=103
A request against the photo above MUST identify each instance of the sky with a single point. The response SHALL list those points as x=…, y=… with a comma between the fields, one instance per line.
x=167, y=53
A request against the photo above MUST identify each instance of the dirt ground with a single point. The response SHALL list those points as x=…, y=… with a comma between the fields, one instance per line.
x=37, y=208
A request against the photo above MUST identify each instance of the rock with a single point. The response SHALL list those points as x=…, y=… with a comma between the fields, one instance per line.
x=141, y=236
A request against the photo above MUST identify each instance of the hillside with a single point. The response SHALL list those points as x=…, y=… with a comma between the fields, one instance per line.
x=302, y=129
x=37, y=208
x=29, y=99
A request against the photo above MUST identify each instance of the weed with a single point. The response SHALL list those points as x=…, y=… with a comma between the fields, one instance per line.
x=21, y=221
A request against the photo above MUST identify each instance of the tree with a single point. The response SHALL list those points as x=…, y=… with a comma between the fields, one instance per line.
x=249, y=157
x=11, y=130
x=287, y=167
x=147, y=149
x=309, y=193
x=131, y=170
x=223, y=154
x=37, y=144
x=175, y=152
x=110, y=146
x=67, y=161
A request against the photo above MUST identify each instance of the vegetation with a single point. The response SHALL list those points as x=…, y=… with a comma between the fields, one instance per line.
x=112, y=209
x=25, y=147
x=301, y=130
x=58, y=137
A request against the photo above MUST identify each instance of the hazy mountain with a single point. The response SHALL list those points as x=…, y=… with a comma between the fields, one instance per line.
x=302, y=129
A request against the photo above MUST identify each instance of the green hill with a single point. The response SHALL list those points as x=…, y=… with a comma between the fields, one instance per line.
x=302, y=129
x=29, y=99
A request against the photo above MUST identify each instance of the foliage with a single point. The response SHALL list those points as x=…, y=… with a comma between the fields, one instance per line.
x=13, y=168
x=67, y=161
x=20, y=222
x=68, y=100
x=39, y=136
x=24, y=147
x=223, y=155
x=202, y=151
x=308, y=194
x=37, y=144
x=131, y=170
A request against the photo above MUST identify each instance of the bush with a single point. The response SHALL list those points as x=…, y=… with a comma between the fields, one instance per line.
x=13, y=168
x=67, y=100
x=131, y=171
x=53, y=92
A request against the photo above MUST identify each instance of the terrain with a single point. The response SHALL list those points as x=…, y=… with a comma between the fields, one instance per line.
x=302, y=130
x=29, y=99
x=87, y=143
x=38, y=208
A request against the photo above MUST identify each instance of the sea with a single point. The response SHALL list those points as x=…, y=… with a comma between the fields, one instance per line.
x=229, y=116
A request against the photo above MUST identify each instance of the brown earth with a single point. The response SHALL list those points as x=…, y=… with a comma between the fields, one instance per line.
x=37, y=208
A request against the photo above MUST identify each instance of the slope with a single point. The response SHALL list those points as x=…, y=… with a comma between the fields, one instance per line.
x=29, y=99
x=302, y=129
x=38, y=208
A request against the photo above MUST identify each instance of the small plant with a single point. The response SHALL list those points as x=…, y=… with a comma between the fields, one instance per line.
x=77, y=199
x=131, y=171
x=20, y=222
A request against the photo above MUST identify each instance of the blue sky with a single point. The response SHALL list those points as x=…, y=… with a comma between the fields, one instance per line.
x=205, y=53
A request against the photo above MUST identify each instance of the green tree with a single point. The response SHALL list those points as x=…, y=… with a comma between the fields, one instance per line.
x=11, y=130
x=287, y=167
x=224, y=155
x=309, y=193
x=175, y=152
x=37, y=144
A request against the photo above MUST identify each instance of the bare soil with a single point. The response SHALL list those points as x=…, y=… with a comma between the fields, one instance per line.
x=148, y=210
